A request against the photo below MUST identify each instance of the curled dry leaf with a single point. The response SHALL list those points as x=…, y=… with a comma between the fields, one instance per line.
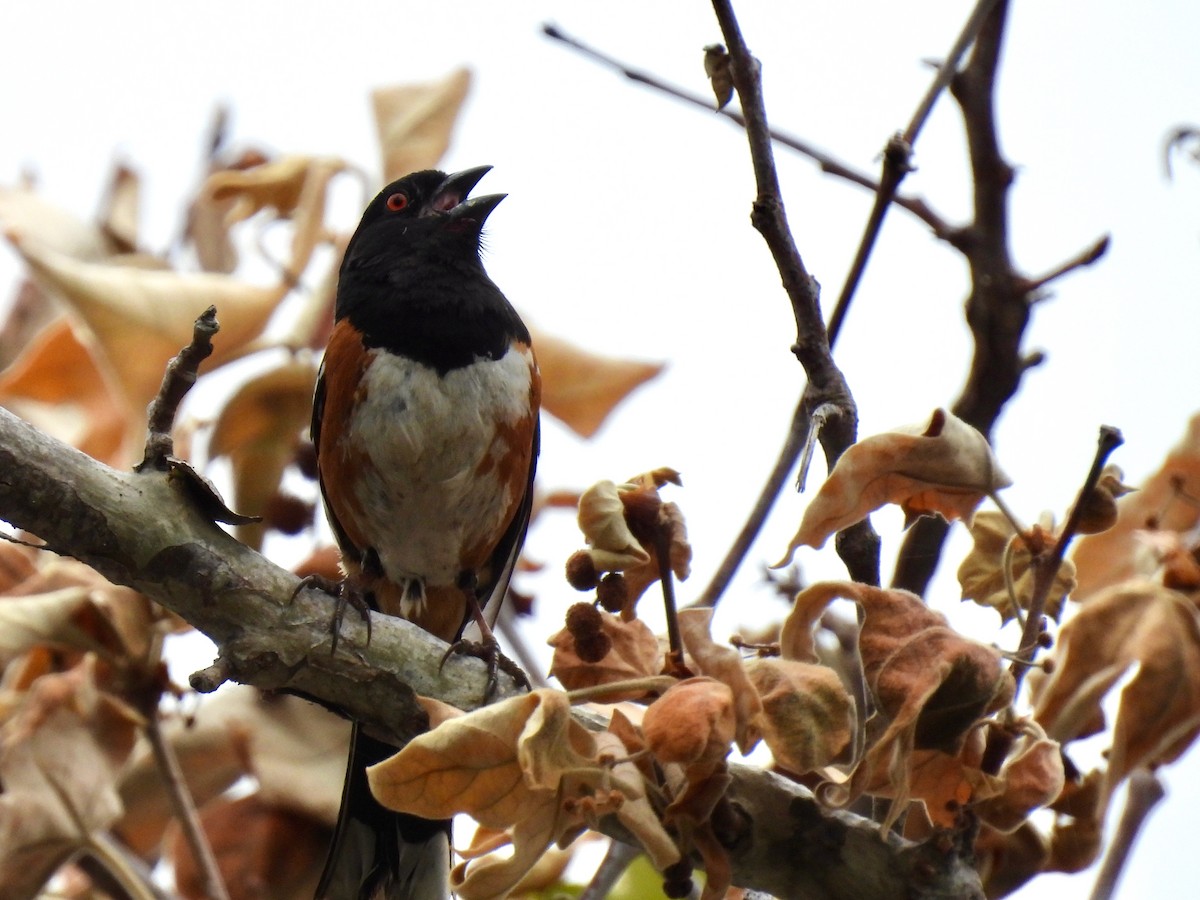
x=58, y=385
x=633, y=653
x=723, y=663
x=1008, y=861
x=931, y=683
x=627, y=526
x=693, y=723
x=1098, y=511
x=208, y=223
x=276, y=185
x=22, y=210
x=667, y=523
x=1177, y=557
x=67, y=605
x=613, y=548
x=580, y=388
x=525, y=767
x=1078, y=834
x=1158, y=716
x=945, y=783
x=477, y=763
x=1113, y=556
x=807, y=716
x=997, y=548
x=293, y=187
x=258, y=429
x=415, y=122
x=943, y=467
x=1032, y=776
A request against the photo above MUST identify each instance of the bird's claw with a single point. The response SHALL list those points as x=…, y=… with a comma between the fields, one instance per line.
x=345, y=593
x=494, y=659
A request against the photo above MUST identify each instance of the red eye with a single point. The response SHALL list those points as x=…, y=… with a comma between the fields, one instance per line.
x=397, y=202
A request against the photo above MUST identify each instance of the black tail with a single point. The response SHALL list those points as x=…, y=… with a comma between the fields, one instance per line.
x=378, y=854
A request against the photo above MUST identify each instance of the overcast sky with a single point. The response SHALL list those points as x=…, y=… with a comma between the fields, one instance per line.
x=627, y=228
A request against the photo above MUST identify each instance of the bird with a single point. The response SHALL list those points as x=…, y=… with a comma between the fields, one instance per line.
x=426, y=428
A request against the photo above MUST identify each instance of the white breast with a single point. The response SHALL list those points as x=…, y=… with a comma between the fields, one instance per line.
x=424, y=498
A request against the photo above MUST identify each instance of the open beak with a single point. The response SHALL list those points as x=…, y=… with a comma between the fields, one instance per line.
x=451, y=197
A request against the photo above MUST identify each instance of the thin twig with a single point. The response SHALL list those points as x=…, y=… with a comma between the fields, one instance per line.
x=122, y=867
x=662, y=548
x=897, y=159
x=1143, y=794
x=917, y=206
x=178, y=379
x=826, y=383
x=185, y=810
x=797, y=437
x=1087, y=257
x=1046, y=568
x=617, y=859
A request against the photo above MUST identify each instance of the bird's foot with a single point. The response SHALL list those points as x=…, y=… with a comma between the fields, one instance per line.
x=496, y=661
x=345, y=593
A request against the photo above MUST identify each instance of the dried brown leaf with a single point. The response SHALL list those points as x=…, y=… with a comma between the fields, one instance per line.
x=807, y=718
x=295, y=750
x=720, y=74
x=59, y=763
x=58, y=385
x=693, y=723
x=24, y=211
x=120, y=208
x=1115, y=555
x=942, y=467
x=141, y=317
x=291, y=187
x=997, y=547
x=487, y=763
x=1158, y=715
x=634, y=653
x=580, y=388
x=722, y=662
x=258, y=430
x=613, y=548
x=1032, y=776
x=932, y=684
x=416, y=121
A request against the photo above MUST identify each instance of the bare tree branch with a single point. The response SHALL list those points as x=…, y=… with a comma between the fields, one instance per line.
x=826, y=387
x=999, y=303
x=897, y=161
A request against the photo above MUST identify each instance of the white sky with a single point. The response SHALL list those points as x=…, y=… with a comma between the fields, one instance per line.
x=627, y=228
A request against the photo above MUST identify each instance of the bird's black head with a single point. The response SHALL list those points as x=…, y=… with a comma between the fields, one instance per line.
x=425, y=215
x=412, y=282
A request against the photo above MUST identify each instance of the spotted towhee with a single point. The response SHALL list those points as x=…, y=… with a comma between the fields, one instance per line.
x=426, y=426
